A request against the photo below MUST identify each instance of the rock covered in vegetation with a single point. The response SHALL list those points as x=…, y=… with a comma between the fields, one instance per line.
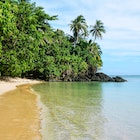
x=101, y=77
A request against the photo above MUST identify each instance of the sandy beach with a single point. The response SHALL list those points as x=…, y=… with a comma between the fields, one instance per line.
x=11, y=83
x=19, y=112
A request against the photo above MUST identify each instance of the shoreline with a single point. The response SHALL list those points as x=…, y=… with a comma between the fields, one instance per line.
x=44, y=114
x=20, y=107
x=10, y=84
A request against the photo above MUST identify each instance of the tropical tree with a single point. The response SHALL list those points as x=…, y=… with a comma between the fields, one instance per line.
x=91, y=53
x=30, y=47
x=79, y=28
x=24, y=33
x=97, y=30
x=95, y=61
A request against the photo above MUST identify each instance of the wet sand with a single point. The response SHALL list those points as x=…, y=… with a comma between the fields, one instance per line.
x=19, y=114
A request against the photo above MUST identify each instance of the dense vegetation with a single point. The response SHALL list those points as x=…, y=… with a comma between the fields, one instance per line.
x=30, y=47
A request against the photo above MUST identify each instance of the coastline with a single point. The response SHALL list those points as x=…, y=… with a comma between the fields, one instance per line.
x=21, y=110
x=44, y=115
x=9, y=84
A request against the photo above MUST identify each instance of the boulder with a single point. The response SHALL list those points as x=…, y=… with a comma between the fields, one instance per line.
x=67, y=78
x=105, y=78
x=82, y=78
x=119, y=79
x=101, y=77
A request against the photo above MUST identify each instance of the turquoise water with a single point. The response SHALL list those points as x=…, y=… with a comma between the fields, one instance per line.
x=92, y=111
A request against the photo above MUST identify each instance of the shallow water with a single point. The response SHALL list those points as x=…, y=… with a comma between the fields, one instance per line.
x=92, y=111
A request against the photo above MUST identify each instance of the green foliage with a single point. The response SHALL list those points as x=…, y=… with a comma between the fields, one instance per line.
x=29, y=47
x=97, y=29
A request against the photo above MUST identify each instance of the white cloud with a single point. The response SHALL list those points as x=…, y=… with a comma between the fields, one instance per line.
x=121, y=19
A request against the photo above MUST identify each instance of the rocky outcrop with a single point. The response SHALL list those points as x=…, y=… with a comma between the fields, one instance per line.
x=105, y=78
x=118, y=79
x=101, y=77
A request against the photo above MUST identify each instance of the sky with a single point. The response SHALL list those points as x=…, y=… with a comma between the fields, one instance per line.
x=121, y=18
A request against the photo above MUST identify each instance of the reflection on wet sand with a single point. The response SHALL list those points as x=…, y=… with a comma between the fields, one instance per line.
x=19, y=117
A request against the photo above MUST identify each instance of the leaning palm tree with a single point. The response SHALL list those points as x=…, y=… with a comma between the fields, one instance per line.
x=78, y=27
x=97, y=30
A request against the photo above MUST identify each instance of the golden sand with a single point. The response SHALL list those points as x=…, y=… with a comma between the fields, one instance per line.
x=19, y=115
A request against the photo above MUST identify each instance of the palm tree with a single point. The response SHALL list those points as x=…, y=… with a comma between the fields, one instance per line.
x=97, y=30
x=78, y=27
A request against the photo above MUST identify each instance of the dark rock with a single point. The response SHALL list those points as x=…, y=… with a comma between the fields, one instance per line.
x=67, y=79
x=119, y=79
x=102, y=77
x=82, y=78
x=95, y=78
x=105, y=78
x=54, y=79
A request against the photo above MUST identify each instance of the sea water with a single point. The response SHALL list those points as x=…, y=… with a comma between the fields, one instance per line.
x=92, y=110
